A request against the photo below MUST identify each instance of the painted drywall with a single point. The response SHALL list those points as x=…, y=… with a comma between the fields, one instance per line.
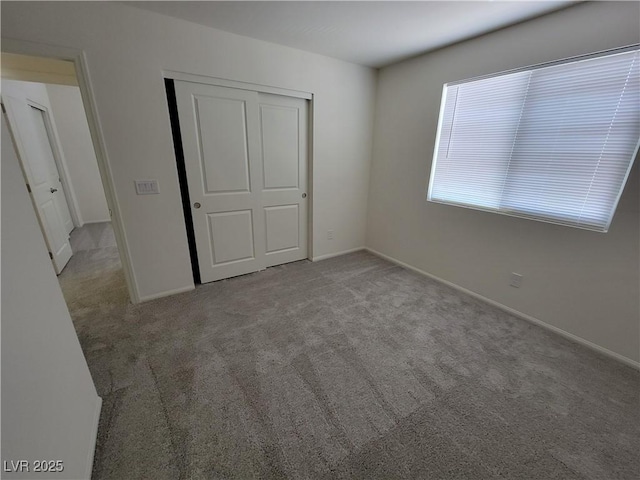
x=75, y=139
x=49, y=403
x=582, y=282
x=127, y=50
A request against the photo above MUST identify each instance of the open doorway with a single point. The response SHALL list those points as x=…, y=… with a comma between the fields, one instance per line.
x=44, y=109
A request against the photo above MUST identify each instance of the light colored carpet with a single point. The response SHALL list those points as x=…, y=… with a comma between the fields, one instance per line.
x=347, y=368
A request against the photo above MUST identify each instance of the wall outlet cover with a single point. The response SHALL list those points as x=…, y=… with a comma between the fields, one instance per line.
x=516, y=280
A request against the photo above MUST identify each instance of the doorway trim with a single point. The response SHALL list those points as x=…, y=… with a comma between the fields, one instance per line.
x=79, y=59
x=223, y=82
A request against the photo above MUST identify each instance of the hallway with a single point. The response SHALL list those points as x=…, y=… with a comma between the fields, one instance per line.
x=93, y=281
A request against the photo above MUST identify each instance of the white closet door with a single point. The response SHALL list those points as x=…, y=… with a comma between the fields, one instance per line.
x=284, y=126
x=246, y=162
x=220, y=139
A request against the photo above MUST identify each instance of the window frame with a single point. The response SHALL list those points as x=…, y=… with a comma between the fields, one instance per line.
x=516, y=213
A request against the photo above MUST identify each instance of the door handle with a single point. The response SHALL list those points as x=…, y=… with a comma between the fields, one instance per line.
x=304, y=195
x=53, y=190
x=196, y=205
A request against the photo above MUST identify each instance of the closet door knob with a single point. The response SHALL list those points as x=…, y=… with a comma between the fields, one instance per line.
x=53, y=190
x=196, y=205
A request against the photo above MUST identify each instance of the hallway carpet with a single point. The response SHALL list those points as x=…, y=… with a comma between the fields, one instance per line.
x=93, y=280
x=347, y=368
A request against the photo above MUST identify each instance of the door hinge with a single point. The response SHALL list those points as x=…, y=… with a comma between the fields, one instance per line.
x=28, y=188
x=51, y=255
x=4, y=110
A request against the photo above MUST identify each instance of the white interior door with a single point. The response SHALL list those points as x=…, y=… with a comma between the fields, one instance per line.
x=44, y=152
x=38, y=164
x=246, y=163
x=284, y=128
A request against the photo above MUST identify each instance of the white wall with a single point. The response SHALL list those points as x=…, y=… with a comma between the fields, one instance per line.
x=75, y=140
x=49, y=404
x=582, y=282
x=127, y=49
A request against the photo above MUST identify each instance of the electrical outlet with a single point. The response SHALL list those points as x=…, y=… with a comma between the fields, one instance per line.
x=516, y=280
x=329, y=234
x=147, y=187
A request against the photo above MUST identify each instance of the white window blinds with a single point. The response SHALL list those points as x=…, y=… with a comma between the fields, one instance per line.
x=552, y=143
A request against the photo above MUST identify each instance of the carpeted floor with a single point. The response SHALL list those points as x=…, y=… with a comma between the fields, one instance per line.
x=347, y=368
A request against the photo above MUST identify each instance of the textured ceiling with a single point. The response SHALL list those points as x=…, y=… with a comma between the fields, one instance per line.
x=368, y=33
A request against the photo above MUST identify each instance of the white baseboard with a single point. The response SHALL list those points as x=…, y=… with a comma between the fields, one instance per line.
x=337, y=254
x=97, y=221
x=94, y=438
x=524, y=316
x=167, y=293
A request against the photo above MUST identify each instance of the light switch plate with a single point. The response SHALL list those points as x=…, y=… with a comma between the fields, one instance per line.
x=147, y=187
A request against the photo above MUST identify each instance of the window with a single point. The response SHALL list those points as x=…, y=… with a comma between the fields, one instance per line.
x=553, y=142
